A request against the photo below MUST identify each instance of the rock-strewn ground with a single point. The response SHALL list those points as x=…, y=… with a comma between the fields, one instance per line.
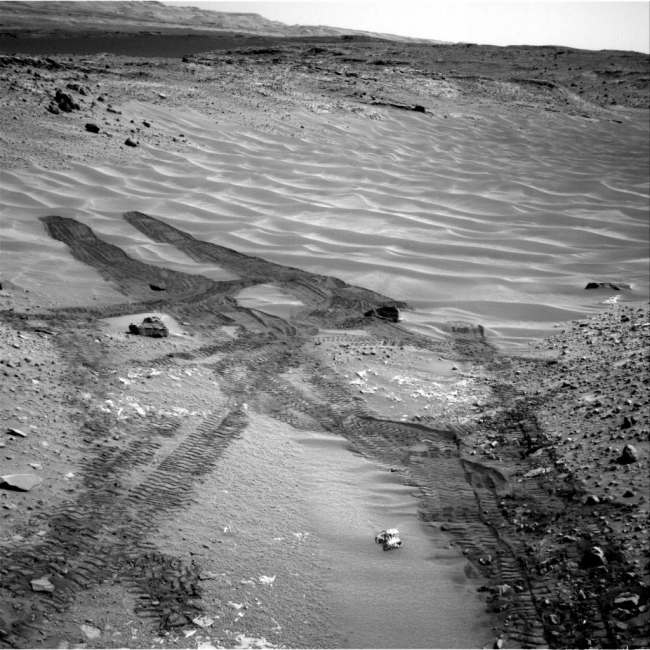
x=270, y=88
x=572, y=436
x=559, y=535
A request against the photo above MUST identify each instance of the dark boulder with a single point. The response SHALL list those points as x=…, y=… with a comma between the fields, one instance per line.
x=594, y=557
x=78, y=88
x=93, y=128
x=65, y=102
x=608, y=285
x=150, y=326
x=385, y=312
x=630, y=455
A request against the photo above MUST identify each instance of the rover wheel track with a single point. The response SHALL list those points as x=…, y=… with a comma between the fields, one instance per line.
x=102, y=534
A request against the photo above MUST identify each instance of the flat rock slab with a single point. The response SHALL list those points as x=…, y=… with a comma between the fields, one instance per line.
x=16, y=432
x=23, y=482
x=616, y=286
x=42, y=584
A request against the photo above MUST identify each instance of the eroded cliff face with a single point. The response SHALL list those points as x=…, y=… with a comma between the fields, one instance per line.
x=149, y=16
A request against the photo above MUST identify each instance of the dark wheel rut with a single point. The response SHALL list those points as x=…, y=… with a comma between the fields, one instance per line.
x=103, y=532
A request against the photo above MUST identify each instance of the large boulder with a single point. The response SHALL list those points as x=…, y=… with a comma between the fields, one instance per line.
x=385, y=312
x=150, y=326
x=65, y=102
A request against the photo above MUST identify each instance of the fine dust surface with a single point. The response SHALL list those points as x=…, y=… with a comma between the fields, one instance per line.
x=474, y=218
x=287, y=543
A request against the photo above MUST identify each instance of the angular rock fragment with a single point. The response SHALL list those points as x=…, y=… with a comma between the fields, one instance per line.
x=630, y=455
x=42, y=584
x=385, y=312
x=130, y=142
x=93, y=128
x=608, y=285
x=175, y=619
x=22, y=482
x=389, y=539
x=16, y=432
x=65, y=102
x=78, y=88
x=90, y=631
x=594, y=557
x=628, y=422
x=150, y=326
x=627, y=601
x=504, y=590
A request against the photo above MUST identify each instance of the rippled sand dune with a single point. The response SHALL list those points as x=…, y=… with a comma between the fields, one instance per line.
x=237, y=429
x=464, y=218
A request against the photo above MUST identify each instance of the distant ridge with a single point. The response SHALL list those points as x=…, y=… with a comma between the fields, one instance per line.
x=150, y=15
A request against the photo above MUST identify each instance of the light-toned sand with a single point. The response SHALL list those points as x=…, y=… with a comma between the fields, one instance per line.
x=465, y=218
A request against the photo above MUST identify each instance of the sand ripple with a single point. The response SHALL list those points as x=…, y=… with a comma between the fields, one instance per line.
x=496, y=223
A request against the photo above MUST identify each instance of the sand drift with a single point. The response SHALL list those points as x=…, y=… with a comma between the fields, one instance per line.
x=487, y=219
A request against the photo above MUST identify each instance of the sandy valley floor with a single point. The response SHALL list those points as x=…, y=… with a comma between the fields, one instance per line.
x=222, y=487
